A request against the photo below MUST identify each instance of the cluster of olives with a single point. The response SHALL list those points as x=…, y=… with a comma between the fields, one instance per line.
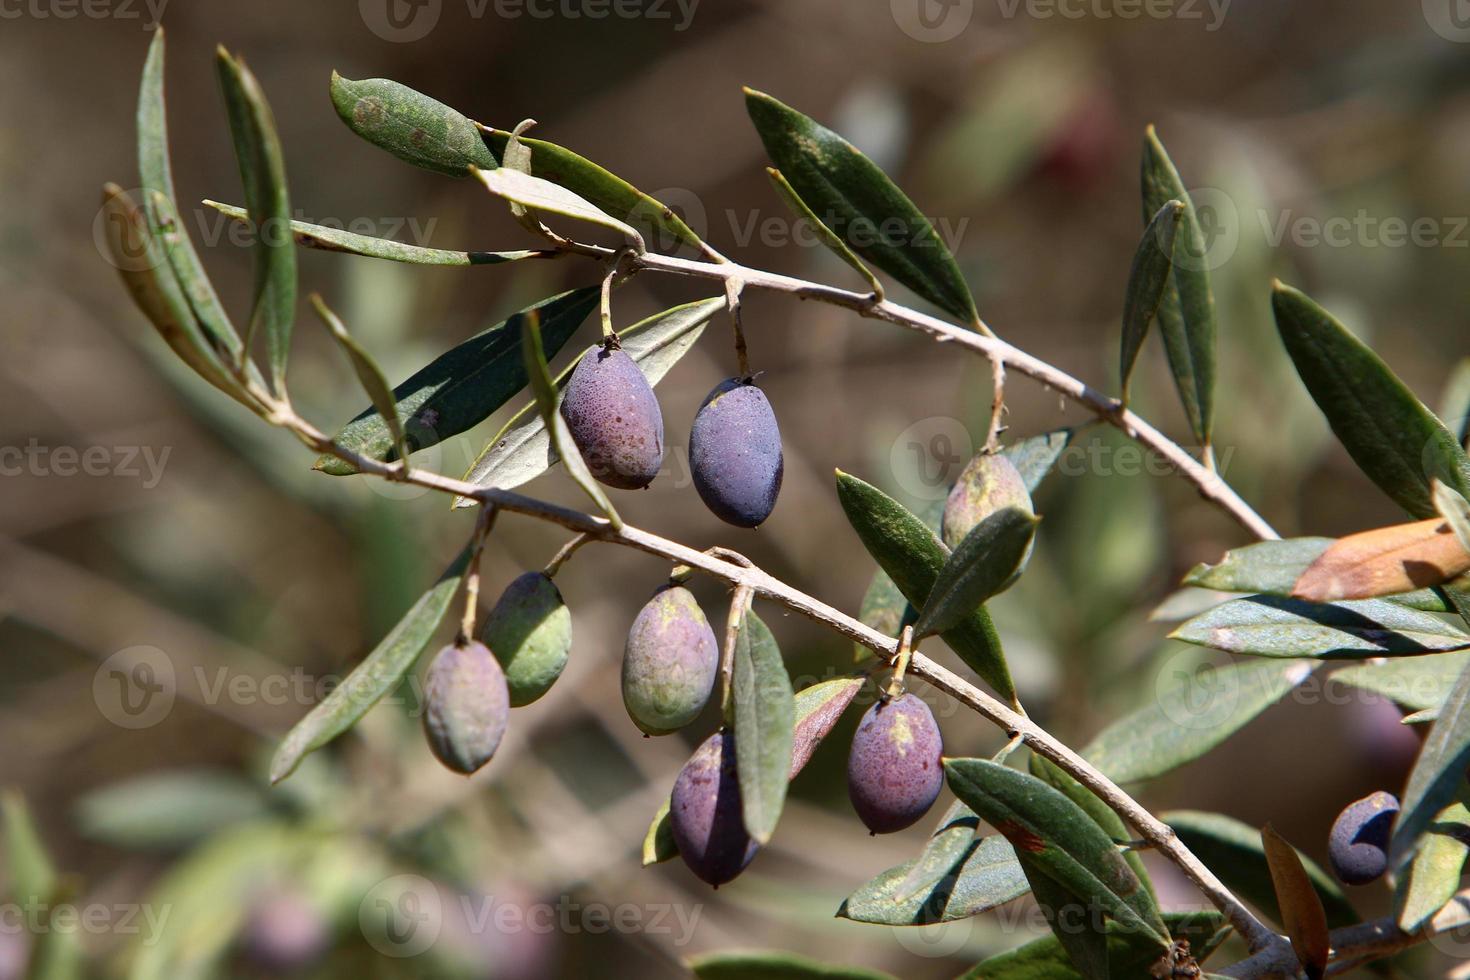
x=1357, y=847
x=734, y=445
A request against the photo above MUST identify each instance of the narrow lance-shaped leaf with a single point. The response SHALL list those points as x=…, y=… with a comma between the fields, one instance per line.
x=858, y=201
x=605, y=190
x=775, y=965
x=1057, y=836
x=1386, y=430
x=521, y=450
x=263, y=172
x=1417, y=683
x=912, y=555
x=986, y=562
x=157, y=179
x=817, y=709
x=463, y=386
x=883, y=608
x=1082, y=937
x=1129, y=954
x=1035, y=456
x=1455, y=510
x=32, y=876
x=1147, y=278
x=328, y=239
x=1301, y=909
x=542, y=196
x=1385, y=561
x=534, y=355
x=369, y=375
x=765, y=716
x=411, y=126
x=389, y=661
x=828, y=237
x=1103, y=815
x=1186, y=311
x=1433, y=878
x=1192, y=712
x=1269, y=626
x=1234, y=851
x=1438, y=773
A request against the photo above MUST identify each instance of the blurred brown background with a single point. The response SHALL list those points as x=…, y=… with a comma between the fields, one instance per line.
x=1014, y=123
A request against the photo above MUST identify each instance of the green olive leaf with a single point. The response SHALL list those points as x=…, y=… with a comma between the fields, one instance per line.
x=985, y=563
x=1438, y=774
x=1129, y=954
x=1035, y=456
x=1147, y=278
x=765, y=719
x=1272, y=626
x=1433, y=877
x=369, y=375
x=542, y=196
x=775, y=965
x=411, y=126
x=828, y=237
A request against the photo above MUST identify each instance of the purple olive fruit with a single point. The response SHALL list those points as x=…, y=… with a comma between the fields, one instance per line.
x=735, y=453
x=1357, y=847
x=466, y=705
x=989, y=483
x=893, y=770
x=614, y=419
x=670, y=662
x=530, y=633
x=705, y=816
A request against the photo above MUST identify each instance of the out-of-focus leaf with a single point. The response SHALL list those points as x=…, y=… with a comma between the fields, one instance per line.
x=521, y=450
x=329, y=239
x=912, y=555
x=390, y=660
x=1454, y=401
x=1035, y=456
x=1433, y=877
x=1129, y=954
x=1437, y=775
x=542, y=196
x=817, y=709
x=1186, y=312
x=605, y=191
x=534, y=362
x=1103, y=815
x=1233, y=850
x=775, y=965
x=827, y=236
x=1302, y=914
x=369, y=375
x=1388, y=432
x=957, y=875
x=765, y=718
x=464, y=385
x=1270, y=626
x=985, y=563
x=32, y=876
x=1418, y=683
x=167, y=809
x=1189, y=718
x=1147, y=278
x=1455, y=510
x=411, y=126
x=263, y=172
x=1058, y=837
x=854, y=198
x=1385, y=561
x=161, y=212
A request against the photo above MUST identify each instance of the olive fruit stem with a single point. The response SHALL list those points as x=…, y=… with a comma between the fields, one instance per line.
x=483, y=523
x=997, y=405
x=733, y=289
x=563, y=554
x=901, y=659
x=1015, y=743
x=734, y=622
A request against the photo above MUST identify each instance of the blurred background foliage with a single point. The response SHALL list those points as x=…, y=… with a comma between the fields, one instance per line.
x=258, y=578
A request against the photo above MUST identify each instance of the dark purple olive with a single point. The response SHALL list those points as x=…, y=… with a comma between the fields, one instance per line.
x=735, y=453
x=705, y=813
x=1357, y=847
x=614, y=418
x=894, y=773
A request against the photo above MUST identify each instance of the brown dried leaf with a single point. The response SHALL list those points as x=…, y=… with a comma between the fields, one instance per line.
x=1384, y=561
x=1303, y=917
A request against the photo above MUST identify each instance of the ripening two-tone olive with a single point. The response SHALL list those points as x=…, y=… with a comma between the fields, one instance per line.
x=1357, y=847
x=670, y=662
x=989, y=483
x=894, y=773
x=614, y=418
x=705, y=813
x=530, y=633
x=466, y=706
x=735, y=453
